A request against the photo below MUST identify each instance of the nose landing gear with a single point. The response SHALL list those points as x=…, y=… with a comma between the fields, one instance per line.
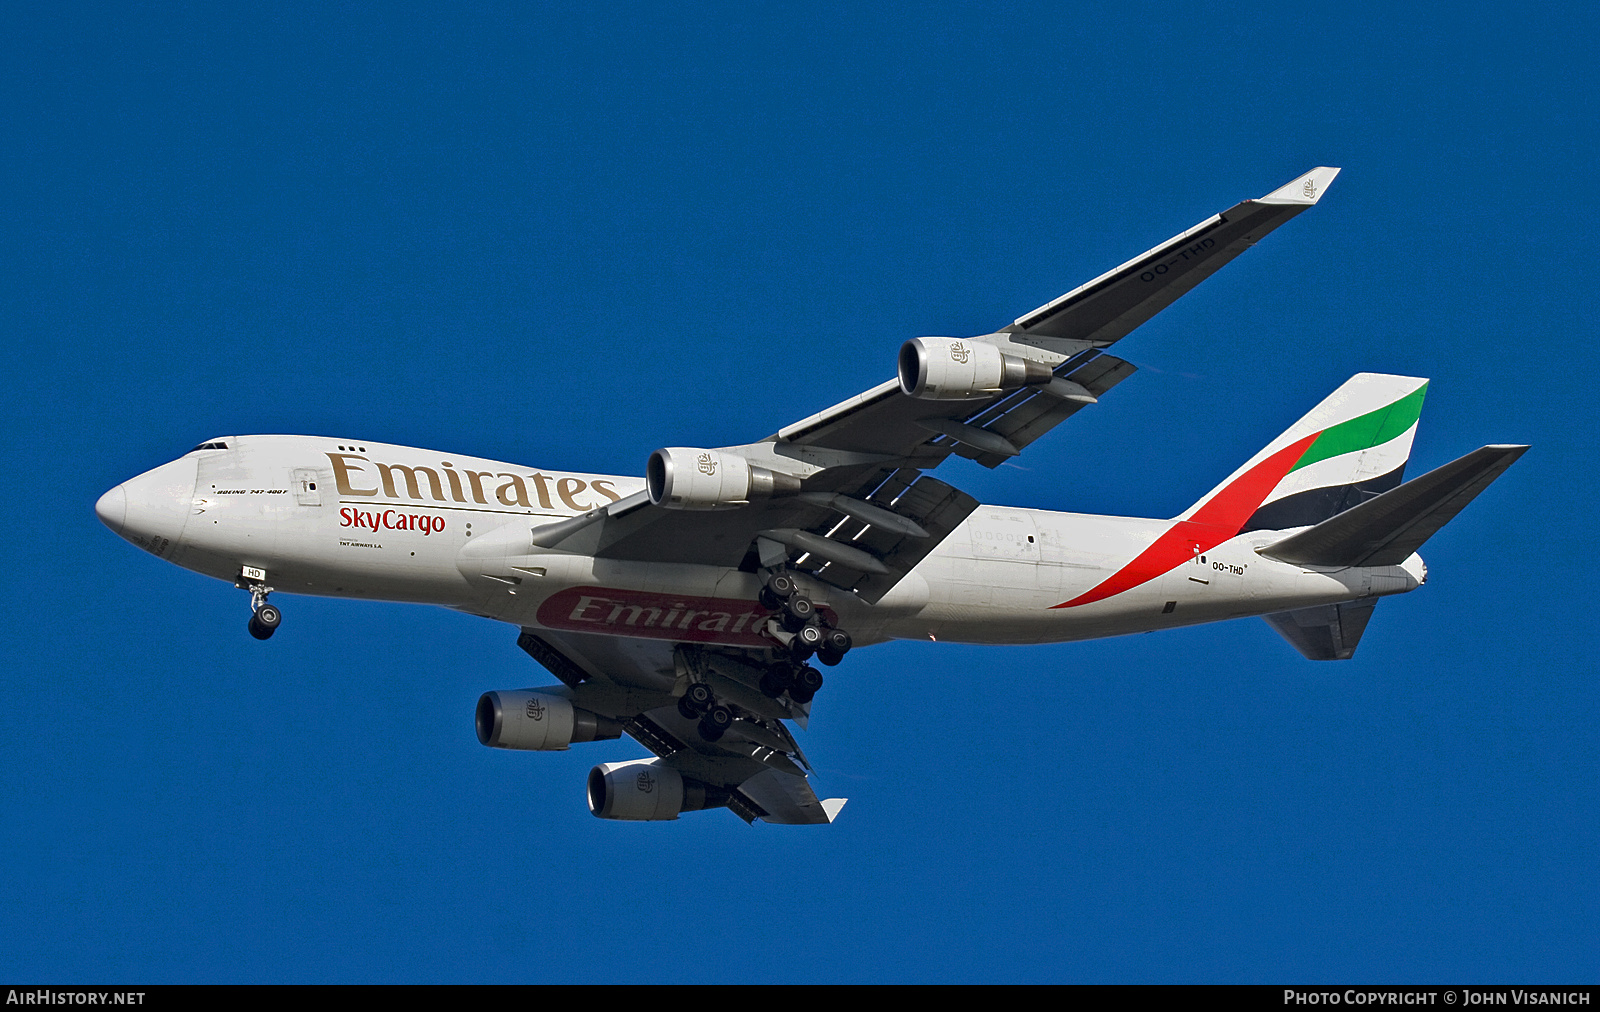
x=264, y=618
x=264, y=622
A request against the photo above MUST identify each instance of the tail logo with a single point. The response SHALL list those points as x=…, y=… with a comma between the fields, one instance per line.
x=1310, y=188
x=1232, y=509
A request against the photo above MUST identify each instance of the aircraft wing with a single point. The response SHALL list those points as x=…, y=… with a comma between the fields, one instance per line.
x=865, y=515
x=1109, y=307
x=1070, y=331
x=756, y=767
x=865, y=526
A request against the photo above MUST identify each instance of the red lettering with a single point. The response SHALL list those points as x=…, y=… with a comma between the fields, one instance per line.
x=655, y=616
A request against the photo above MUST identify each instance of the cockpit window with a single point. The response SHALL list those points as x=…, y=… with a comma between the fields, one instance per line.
x=211, y=446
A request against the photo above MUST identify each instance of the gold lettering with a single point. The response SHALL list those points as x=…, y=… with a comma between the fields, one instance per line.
x=514, y=483
x=455, y=482
x=476, y=477
x=341, y=474
x=604, y=488
x=543, y=484
x=386, y=472
x=566, y=493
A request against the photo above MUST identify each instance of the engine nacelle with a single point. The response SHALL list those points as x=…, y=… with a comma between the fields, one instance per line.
x=686, y=478
x=647, y=790
x=945, y=369
x=537, y=721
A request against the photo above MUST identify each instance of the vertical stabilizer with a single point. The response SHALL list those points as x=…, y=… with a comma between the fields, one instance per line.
x=1351, y=447
x=1346, y=450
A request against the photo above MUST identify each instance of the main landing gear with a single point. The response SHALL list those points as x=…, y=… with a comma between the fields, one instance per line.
x=264, y=618
x=801, y=632
x=714, y=717
x=798, y=615
x=810, y=635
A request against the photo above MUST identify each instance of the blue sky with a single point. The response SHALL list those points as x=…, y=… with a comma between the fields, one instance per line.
x=567, y=239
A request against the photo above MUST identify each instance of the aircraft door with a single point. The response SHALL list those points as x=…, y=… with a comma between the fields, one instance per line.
x=305, y=488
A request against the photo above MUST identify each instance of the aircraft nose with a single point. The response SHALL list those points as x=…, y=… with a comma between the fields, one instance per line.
x=112, y=508
x=151, y=510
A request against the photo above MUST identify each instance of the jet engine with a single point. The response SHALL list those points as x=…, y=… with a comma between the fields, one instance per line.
x=538, y=721
x=647, y=790
x=686, y=478
x=945, y=369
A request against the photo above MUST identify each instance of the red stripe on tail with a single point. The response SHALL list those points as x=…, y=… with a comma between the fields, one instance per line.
x=1220, y=518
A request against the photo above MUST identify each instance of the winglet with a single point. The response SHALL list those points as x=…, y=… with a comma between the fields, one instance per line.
x=1304, y=189
x=832, y=807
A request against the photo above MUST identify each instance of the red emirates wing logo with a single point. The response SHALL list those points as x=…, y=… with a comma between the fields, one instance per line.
x=612, y=611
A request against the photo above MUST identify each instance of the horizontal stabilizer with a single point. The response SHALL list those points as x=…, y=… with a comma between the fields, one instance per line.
x=1387, y=529
x=1327, y=632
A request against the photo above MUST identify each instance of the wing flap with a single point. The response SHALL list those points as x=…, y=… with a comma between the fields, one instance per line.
x=934, y=506
x=1026, y=415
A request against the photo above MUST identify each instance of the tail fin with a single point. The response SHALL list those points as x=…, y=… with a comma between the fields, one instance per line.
x=1385, y=531
x=1351, y=447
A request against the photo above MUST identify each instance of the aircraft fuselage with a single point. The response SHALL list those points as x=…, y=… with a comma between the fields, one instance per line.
x=382, y=522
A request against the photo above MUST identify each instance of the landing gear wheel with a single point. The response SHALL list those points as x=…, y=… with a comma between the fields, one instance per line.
x=811, y=635
x=700, y=696
x=264, y=618
x=835, y=644
x=806, y=683
x=777, y=680
x=797, y=612
x=781, y=585
x=687, y=709
x=716, y=722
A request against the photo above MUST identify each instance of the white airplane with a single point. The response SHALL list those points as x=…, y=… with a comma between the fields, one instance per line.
x=682, y=608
